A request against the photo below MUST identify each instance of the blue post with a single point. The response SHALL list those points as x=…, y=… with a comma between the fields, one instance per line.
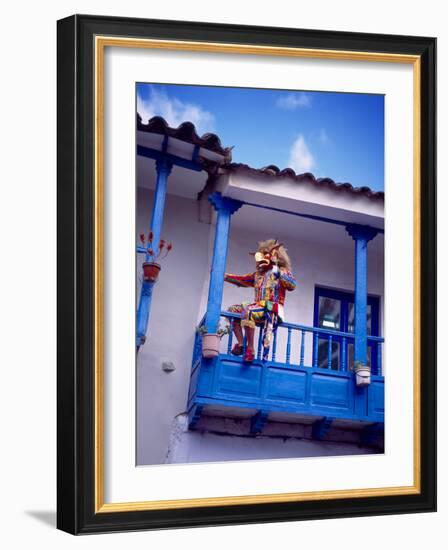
x=274, y=347
x=343, y=355
x=330, y=351
x=361, y=234
x=315, y=349
x=229, y=343
x=302, y=349
x=224, y=207
x=260, y=342
x=288, y=347
x=144, y=307
x=378, y=359
x=163, y=168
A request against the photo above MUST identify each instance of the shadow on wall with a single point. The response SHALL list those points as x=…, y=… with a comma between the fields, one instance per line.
x=47, y=517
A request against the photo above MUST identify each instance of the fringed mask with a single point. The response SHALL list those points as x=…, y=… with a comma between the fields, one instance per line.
x=271, y=253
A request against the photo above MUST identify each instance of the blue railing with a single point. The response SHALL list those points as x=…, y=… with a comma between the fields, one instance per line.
x=331, y=349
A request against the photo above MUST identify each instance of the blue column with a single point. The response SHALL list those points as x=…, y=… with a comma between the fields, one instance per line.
x=224, y=207
x=144, y=307
x=361, y=234
x=163, y=168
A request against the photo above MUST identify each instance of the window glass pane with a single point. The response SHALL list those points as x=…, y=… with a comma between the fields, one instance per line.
x=329, y=313
x=351, y=356
x=322, y=354
x=351, y=318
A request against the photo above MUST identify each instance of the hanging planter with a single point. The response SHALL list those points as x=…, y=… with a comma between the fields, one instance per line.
x=210, y=345
x=211, y=341
x=151, y=271
x=362, y=373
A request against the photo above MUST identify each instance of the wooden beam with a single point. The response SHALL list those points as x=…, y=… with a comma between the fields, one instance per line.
x=321, y=427
x=258, y=422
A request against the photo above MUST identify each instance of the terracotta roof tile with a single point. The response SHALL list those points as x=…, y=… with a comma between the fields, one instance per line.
x=185, y=132
x=274, y=171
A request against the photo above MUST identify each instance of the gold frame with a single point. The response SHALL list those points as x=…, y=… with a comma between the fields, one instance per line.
x=101, y=42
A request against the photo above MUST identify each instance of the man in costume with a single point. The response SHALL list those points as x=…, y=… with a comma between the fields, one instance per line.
x=271, y=279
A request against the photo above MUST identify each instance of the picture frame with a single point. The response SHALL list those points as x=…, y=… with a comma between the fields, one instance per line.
x=82, y=41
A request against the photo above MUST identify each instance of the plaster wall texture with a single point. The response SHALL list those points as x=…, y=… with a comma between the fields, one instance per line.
x=174, y=311
x=180, y=298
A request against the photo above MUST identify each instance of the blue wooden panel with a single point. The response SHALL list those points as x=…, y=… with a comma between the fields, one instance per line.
x=206, y=375
x=376, y=397
x=237, y=403
x=330, y=391
x=237, y=379
x=227, y=381
x=286, y=385
x=193, y=381
x=194, y=414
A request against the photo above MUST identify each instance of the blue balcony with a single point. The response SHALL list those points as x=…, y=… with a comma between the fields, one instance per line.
x=297, y=382
x=291, y=386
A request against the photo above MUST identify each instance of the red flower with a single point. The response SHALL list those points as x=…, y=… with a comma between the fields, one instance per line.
x=150, y=236
x=151, y=251
x=142, y=238
x=169, y=247
x=161, y=244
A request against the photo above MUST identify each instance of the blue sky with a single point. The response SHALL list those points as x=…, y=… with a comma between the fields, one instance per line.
x=335, y=135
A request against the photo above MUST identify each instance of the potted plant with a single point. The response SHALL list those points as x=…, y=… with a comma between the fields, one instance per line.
x=362, y=373
x=152, y=269
x=211, y=341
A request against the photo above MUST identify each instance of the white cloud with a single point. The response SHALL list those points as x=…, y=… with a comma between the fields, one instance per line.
x=300, y=157
x=293, y=101
x=174, y=111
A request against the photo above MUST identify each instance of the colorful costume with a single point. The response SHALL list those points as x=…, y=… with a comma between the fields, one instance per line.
x=270, y=283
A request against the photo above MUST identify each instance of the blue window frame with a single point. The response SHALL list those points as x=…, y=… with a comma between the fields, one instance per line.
x=334, y=310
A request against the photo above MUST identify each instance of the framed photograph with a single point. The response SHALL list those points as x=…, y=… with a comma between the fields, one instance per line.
x=246, y=274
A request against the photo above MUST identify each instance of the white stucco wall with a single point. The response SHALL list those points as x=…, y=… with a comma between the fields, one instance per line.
x=174, y=310
x=179, y=301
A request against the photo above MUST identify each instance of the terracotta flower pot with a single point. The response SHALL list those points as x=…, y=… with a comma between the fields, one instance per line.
x=151, y=271
x=210, y=345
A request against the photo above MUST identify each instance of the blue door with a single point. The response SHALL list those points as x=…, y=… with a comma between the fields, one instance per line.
x=335, y=310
